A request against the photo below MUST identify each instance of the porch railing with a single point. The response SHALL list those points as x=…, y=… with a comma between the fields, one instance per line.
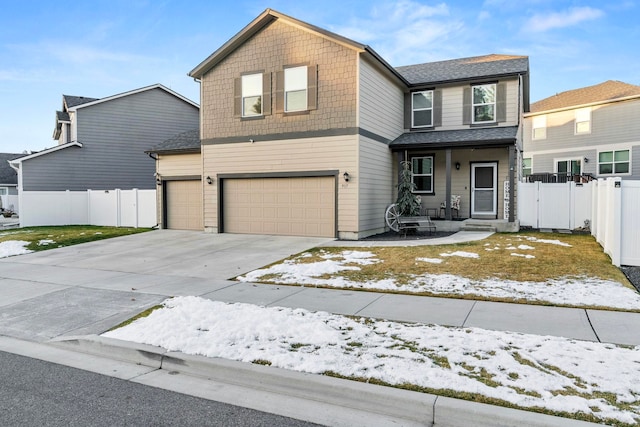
x=558, y=177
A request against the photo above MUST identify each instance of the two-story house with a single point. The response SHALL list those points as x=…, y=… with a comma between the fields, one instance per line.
x=8, y=183
x=101, y=143
x=303, y=132
x=591, y=131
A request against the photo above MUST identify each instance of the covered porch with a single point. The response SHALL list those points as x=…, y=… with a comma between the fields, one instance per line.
x=463, y=177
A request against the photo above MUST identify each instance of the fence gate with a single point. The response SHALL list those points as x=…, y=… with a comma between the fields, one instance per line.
x=553, y=205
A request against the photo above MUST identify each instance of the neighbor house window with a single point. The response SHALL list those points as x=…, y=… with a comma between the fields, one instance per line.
x=569, y=167
x=583, y=121
x=526, y=166
x=422, y=109
x=4, y=191
x=539, y=127
x=613, y=162
x=422, y=174
x=295, y=89
x=484, y=103
x=252, y=95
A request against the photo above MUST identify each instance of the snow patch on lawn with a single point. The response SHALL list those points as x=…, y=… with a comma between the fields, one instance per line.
x=461, y=254
x=13, y=247
x=430, y=260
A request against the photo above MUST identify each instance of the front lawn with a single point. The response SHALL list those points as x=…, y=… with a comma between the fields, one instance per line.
x=538, y=268
x=32, y=239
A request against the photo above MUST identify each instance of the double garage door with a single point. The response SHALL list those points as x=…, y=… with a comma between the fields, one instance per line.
x=297, y=206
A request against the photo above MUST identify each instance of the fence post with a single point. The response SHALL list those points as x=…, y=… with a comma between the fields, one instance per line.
x=89, y=207
x=118, y=207
x=136, y=207
x=615, y=215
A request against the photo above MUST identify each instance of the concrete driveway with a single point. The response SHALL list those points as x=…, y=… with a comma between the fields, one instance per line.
x=89, y=288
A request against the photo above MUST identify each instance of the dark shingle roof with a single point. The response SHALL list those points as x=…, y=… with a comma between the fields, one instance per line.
x=184, y=142
x=607, y=91
x=499, y=135
x=72, y=101
x=7, y=174
x=62, y=116
x=464, y=68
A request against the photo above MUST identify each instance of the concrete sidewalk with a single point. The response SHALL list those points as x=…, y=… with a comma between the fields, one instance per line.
x=86, y=289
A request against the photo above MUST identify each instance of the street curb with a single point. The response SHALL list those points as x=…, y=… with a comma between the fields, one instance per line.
x=406, y=407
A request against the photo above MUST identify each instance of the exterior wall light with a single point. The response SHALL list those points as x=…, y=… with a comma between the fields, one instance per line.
x=586, y=160
x=158, y=181
x=346, y=176
x=457, y=165
x=209, y=180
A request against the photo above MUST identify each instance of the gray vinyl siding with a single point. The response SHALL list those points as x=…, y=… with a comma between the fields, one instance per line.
x=375, y=185
x=613, y=126
x=114, y=135
x=381, y=103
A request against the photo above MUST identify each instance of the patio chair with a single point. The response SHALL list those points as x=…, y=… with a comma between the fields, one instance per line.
x=455, y=206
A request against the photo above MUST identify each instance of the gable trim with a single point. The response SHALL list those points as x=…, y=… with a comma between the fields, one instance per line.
x=133, y=92
x=16, y=162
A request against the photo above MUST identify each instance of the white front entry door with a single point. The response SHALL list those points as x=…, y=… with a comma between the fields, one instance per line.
x=484, y=189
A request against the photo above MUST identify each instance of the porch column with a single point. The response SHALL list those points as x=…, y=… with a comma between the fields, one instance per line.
x=512, y=183
x=447, y=192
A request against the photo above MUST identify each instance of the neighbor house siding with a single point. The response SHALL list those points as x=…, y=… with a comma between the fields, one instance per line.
x=375, y=185
x=337, y=153
x=381, y=103
x=613, y=126
x=278, y=45
x=114, y=135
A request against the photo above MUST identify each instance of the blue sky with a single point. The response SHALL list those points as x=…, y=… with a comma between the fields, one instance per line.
x=101, y=48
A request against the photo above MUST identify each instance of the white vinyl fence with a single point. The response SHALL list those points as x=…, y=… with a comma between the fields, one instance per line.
x=119, y=208
x=612, y=207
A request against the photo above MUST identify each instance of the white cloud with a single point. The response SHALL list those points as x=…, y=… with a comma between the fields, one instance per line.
x=573, y=16
x=403, y=31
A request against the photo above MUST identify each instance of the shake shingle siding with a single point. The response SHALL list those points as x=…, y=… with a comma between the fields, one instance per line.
x=114, y=137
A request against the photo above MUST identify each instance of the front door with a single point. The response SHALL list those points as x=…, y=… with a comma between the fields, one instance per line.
x=484, y=190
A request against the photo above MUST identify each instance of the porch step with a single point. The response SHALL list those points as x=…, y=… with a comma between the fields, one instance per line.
x=478, y=226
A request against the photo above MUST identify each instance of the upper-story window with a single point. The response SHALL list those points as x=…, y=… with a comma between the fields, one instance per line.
x=484, y=103
x=613, y=162
x=422, y=109
x=295, y=89
x=539, y=130
x=583, y=121
x=252, y=95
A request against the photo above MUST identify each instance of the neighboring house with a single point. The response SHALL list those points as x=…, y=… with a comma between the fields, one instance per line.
x=303, y=132
x=591, y=131
x=179, y=179
x=102, y=142
x=8, y=183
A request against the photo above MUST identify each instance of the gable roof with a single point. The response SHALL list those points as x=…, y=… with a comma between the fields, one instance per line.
x=95, y=101
x=185, y=142
x=23, y=157
x=69, y=101
x=266, y=18
x=465, y=68
x=7, y=174
x=604, y=92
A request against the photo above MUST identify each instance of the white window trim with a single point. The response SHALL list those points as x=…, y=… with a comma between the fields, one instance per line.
x=613, y=150
x=421, y=109
x=249, y=95
x=4, y=191
x=287, y=90
x=568, y=159
x=494, y=103
x=582, y=115
x=539, y=122
x=423, y=174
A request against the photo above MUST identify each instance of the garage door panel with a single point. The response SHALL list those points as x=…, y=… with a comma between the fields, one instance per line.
x=284, y=206
x=184, y=205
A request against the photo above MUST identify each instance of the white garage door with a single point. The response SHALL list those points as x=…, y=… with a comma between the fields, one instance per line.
x=280, y=206
x=184, y=205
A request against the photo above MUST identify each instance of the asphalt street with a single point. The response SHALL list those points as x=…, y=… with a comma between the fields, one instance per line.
x=38, y=393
